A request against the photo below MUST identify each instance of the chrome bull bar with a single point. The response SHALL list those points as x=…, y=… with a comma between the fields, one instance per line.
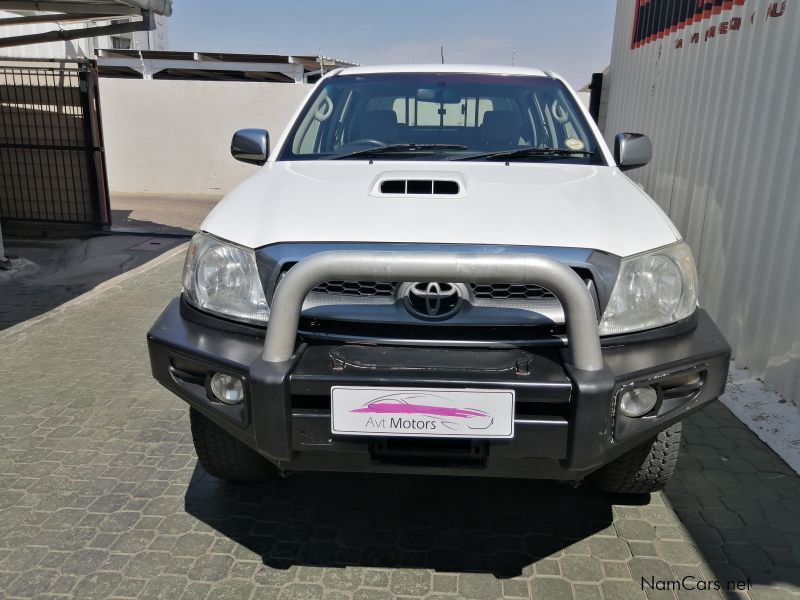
x=386, y=267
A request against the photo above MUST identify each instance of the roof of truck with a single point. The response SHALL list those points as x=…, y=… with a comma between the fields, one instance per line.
x=437, y=68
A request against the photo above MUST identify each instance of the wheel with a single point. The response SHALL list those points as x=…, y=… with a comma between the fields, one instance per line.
x=645, y=469
x=223, y=456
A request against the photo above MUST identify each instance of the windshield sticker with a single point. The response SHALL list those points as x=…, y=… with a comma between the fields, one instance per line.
x=574, y=144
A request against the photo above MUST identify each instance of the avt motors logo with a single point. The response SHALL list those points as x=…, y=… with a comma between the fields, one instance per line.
x=431, y=412
x=421, y=412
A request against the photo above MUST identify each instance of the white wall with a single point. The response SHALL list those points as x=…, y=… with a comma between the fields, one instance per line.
x=174, y=136
x=723, y=116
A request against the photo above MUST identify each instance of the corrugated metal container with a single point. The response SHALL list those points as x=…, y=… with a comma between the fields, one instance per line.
x=717, y=88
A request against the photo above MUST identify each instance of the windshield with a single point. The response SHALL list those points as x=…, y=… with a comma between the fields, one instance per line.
x=433, y=116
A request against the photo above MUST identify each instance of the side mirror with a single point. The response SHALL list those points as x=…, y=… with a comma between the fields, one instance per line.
x=250, y=146
x=632, y=150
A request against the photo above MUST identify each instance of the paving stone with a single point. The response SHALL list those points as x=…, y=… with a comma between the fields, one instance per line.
x=164, y=586
x=581, y=568
x=616, y=570
x=211, y=567
x=622, y=590
x=679, y=553
x=547, y=567
x=770, y=593
x=643, y=548
x=668, y=532
x=476, y=586
x=442, y=582
x=721, y=518
x=302, y=591
x=84, y=562
x=747, y=556
x=410, y=582
x=587, y=591
x=365, y=594
x=233, y=589
x=30, y=583
x=342, y=579
x=635, y=529
x=515, y=588
x=200, y=591
x=266, y=593
x=552, y=588
x=609, y=548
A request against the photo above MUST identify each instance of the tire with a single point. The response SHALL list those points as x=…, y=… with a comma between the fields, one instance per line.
x=645, y=469
x=223, y=456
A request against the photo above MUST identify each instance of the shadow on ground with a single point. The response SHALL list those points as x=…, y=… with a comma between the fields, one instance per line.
x=48, y=273
x=123, y=222
x=738, y=504
x=497, y=526
x=161, y=213
x=731, y=513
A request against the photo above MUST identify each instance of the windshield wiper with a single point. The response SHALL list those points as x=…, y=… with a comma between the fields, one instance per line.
x=398, y=148
x=528, y=152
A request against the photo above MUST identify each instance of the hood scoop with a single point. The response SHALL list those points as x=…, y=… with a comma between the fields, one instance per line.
x=421, y=183
x=418, y=187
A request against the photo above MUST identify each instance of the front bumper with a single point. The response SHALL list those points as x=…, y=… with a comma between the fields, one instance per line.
x=566, y=419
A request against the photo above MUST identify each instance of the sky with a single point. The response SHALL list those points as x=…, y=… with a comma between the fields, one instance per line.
x=570, y=37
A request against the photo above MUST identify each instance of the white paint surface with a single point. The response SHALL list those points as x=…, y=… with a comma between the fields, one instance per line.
x=527, y=204
x=773, y=418
x=445, y=68
x=174, y=137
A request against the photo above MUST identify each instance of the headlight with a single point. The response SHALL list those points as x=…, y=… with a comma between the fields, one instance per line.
x=222, y=278
x=652, y=289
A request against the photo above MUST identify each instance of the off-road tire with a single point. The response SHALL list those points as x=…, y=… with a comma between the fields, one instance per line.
x=645, y=469
x=223, y=456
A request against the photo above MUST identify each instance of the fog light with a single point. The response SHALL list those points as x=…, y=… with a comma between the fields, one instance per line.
x=227, y=388
x=638, y=401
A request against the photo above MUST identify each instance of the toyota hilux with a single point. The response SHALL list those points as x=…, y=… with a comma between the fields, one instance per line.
x=440, y=270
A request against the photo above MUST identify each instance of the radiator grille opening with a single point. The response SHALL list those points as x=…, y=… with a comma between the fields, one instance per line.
x=503, y=291
x=356, y=288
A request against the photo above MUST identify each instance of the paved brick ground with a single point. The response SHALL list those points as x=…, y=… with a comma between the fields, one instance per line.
x=100, y=496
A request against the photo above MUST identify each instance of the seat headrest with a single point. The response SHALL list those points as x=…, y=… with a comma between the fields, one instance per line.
x=379, y=125
x=501, y=128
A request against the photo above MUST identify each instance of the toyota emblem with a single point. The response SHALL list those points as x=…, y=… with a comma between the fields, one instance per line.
x=432, y=300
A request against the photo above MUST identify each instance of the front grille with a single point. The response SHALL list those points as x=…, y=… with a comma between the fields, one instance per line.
x=494, y=291
x=357, y=288
x=510, y=291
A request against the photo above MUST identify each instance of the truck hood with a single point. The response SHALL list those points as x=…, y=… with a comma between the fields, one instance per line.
x=527, y=204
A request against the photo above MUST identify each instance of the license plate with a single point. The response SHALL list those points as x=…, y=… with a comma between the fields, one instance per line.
x=422, y=412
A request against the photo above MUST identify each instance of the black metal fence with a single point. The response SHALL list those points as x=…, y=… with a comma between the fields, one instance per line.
x=52, y=164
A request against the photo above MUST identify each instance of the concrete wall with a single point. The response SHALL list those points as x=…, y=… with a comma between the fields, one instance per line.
x=717, y=93
x=174, y=136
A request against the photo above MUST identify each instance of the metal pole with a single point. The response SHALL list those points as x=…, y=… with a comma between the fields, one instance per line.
x=579, y=311
x=4, y=262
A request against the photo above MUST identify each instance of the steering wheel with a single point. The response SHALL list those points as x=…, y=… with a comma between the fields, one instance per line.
x=363, y=142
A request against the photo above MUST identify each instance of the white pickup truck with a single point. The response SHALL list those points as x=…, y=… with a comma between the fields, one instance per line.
x=440, y=269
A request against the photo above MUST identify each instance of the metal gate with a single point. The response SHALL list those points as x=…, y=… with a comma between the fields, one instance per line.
x=52, y=164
